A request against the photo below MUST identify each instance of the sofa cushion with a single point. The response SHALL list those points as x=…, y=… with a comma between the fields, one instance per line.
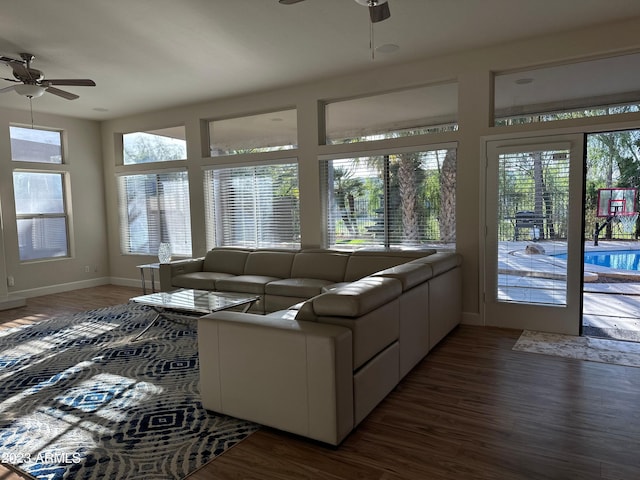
x=225, y=260
x=244, y=284
x=357, y=298
x=322, y=265
x=273, y=264
x=297, y=287
x=365, y=262
x=198, y=280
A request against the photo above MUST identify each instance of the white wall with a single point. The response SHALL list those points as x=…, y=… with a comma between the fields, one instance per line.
x=83, y=156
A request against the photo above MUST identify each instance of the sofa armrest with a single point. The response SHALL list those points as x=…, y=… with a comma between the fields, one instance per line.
x=290, y=375
x=171, y=269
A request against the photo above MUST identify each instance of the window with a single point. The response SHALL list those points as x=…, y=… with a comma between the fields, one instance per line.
x=253, y=206
x=154, y=209
x=415, y=111
x=40, y=215
x=35, y=145
x=399, y=199
x=40, y=200
x=576, y=90
x=265, y=132
x=154, y=146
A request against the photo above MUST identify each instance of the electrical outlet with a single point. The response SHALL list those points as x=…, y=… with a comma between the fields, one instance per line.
x=87, y=269
x=11, y=281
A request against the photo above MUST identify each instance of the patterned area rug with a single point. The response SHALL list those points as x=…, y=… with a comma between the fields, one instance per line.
x=79, y=400
x=581, y=348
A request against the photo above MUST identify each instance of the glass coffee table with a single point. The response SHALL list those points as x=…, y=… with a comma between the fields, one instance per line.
x=192, y=303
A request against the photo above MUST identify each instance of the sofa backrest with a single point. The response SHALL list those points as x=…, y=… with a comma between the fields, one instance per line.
x=269, y=263
x=225, y=260
x=365, y=262
x=322, y=265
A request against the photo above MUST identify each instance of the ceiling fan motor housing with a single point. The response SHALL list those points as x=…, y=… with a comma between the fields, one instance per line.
x=32, y=75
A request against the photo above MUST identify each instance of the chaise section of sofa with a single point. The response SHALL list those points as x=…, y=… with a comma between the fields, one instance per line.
x=290, y=375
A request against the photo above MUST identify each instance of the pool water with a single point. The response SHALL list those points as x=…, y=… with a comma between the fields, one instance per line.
x=619, y=259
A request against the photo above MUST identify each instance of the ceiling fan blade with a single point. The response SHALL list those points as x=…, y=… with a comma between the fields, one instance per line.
x=7, y=89
x=289, y=2
x=77, y=82
x=62, y=93
x=379, y=12
x=8, y=60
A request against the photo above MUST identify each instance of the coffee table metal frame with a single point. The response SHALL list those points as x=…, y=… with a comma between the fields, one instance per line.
x=191, y=303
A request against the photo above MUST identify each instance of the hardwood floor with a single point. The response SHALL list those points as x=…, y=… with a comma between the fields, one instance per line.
x=473, y=409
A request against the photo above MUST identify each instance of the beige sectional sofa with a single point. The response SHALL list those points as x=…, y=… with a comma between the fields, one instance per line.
x=332, y=334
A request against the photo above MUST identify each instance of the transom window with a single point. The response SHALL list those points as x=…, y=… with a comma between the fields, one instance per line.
x=574, y=90
x=161, y=145
x=253, y=206
x=414, y=111
x=265, y=132
x=35, y=145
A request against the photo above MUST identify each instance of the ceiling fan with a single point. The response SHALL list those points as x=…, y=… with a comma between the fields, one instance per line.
x=32, y=83
x=378, y=9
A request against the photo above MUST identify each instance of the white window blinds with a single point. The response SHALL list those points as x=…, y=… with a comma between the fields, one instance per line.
x=253, y=206
x=41, y=215
x=401, y=199
x=154, y=208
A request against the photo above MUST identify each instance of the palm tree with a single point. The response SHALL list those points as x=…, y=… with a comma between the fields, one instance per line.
x=346, y=189
x=447, y=217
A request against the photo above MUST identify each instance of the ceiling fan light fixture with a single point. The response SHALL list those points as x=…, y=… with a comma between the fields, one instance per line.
x=31, y=91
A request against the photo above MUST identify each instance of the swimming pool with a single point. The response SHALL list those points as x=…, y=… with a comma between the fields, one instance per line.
x=618, y=259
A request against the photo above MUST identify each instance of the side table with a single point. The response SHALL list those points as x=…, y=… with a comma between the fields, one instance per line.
x=152, y=267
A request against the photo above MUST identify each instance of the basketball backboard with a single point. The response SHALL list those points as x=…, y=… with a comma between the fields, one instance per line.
x=616, y=202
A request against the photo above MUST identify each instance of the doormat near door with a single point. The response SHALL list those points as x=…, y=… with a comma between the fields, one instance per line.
x=581, y=348
x=611, y=332
x=79, y=400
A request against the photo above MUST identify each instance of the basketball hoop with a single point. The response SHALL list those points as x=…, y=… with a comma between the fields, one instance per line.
x=628, y=222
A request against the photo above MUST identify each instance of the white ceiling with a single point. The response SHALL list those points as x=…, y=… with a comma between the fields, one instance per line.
x=150, y=54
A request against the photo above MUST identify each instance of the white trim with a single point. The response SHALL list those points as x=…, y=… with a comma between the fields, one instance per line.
x=63, y=287
x=389, y=151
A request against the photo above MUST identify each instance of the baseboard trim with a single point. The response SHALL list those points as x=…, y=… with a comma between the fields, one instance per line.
x=63, y=287
x=129, y=282
x=12, y=301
